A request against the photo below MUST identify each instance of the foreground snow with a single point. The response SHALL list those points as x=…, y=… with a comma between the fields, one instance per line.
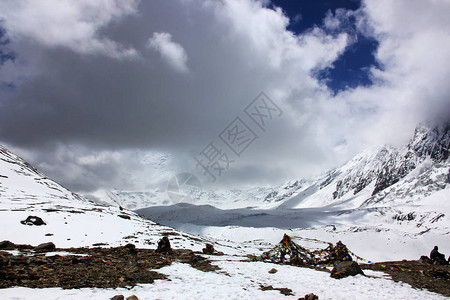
x=241, y=280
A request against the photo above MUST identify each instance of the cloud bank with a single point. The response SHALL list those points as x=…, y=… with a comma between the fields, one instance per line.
x=92, y=85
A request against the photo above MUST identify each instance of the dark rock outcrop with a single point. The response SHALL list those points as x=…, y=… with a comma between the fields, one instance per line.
x=45, y=247
x=33, y=220
x=209, y=249
x=7, y=245
x=309, y=296
x=164, y=245
x=346, y=268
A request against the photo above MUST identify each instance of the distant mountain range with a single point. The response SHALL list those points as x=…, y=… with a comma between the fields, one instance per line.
x=374, y=176
x=383, y=174
x=407, y=186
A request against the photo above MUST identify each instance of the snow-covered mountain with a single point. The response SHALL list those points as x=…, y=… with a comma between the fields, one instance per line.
x=402, y=189
x=384, y=172
x=257, y=197
x=70, y=220
x=417, y=169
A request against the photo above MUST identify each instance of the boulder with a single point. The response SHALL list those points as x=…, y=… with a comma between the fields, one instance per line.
x=118, y=297
x=45, y=247
x=131, y=248
x=425, y=259
x=209, y=249
x=7, y=245
x=33, y=220
x=132, y=297
x=309, y=296
x=346, y=268
x=273, y=271
x=164, y=245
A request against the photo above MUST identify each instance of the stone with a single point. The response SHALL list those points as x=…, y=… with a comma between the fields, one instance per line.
x=33, y=220
x=132, y=297
x=45, y=247
x=164, y=245
x=425, y=259
x=118, y=297
x=273, y=271
x=209, y=249
x=346, y=268
x=131, y=248
x=7, y=245
x=309, y=296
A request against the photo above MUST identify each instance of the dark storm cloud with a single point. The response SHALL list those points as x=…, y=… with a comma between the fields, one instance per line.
x=169, y=76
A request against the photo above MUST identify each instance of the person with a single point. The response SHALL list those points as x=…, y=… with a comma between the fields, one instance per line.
x=437, y=257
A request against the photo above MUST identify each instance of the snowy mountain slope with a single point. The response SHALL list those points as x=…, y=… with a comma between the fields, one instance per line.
x=413, y=208
x=71, y=220
x=369, y=176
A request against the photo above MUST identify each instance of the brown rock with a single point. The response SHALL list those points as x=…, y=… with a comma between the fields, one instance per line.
x=273, y=271
x=209, y=249
x=45, y=247
x=309, y=296
x=346, y=268
x=132, y=297
x=7, y=245
x=164, y=245
x=118, y=297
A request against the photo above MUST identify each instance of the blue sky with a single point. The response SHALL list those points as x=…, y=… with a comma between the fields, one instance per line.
x=90, y=91
x=351, y=69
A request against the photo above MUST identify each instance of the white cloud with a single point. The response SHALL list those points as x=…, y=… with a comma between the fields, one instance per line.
x=65, y=23
x=236, y=50
x=414, y=51
x=171, y=52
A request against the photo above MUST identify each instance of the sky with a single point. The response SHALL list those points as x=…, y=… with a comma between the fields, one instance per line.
x=123, y=94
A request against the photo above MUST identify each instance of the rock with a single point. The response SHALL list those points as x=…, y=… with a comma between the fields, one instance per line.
x=346, y=268
x=284, y=291
x=118, y=297
x=209, y=249
x=273, y=271
x=131, y=248
x=132, y=297
x=309, y=296
x=7, y=245
x=126, y=217
x=45, y=247
x=425, y=259
x=164, y=245
x=33, y=220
